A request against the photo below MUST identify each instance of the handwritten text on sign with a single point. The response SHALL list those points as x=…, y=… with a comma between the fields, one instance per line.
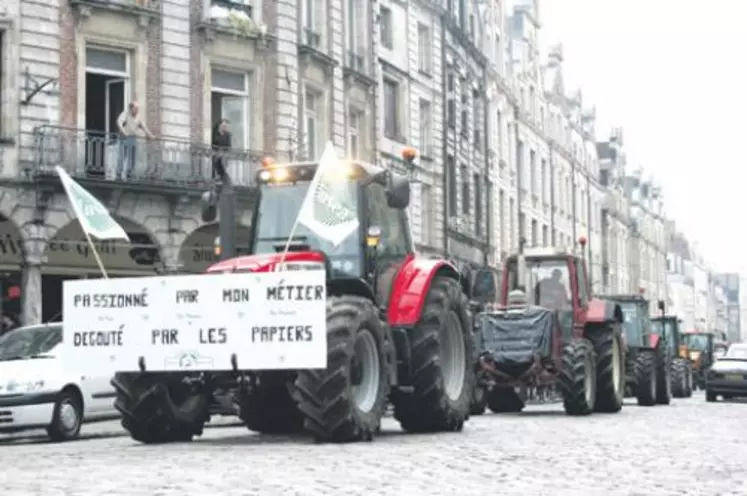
x=268, y=320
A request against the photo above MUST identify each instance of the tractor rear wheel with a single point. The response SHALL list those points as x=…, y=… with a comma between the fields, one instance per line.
x=690, y=382
x=679, y=378
x=268, y=407
x=441, y=363
x=646, y=381
x=663, y=376
x=610, y=370
x=577, y=379
x=345, y=401
x=504, y=400
x=159, y=408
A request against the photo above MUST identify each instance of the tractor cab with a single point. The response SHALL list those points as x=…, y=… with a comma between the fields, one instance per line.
x=668, y=327
x=636, y=320
x=553, y=279
x=357, y=211
x=700, y=351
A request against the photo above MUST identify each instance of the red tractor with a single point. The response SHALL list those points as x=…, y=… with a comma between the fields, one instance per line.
x=554, y=334
x=399, y=329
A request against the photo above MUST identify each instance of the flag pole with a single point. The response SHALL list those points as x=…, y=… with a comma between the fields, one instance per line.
x=96, y=254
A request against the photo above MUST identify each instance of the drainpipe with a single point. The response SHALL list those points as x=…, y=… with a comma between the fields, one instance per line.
x=488, y=182
x=445, y=151
x=552, y=191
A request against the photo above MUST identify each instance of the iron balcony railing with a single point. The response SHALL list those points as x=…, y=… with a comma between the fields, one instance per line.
x=107, y=156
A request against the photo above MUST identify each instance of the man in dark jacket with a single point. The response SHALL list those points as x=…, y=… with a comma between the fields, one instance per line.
x=221, y=144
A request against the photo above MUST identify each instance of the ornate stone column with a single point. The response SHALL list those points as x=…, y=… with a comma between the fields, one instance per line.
x=31, y=279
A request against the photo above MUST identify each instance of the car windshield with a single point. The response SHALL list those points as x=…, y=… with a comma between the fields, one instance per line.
x=633, y=322
x=278, y=210
x=736, y=352
x=696, y=342
x=26, y=342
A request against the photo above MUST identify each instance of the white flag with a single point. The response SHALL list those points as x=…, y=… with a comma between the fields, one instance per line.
x=94, y=218
x=329, y=209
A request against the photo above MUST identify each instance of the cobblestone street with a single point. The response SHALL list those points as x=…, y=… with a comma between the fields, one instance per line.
x=691, y=447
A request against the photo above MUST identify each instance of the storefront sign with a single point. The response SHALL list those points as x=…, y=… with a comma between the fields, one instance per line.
x=198, y=250
x=11, y=245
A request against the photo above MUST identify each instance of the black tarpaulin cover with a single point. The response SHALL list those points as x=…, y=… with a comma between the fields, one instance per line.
x=512, y=337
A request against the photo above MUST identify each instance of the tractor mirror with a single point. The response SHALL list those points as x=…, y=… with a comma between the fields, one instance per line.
x=398, y=192
x=661, y=305
x=484, y=286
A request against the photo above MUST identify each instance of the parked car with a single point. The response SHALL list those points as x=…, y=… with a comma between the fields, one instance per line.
x=728, y=375
x=36, y=391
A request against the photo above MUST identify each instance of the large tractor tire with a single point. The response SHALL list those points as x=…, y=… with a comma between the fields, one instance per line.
x=663, y=376
x=610, y=370
x=578, y=378
x=680, y=379
x=690, y=381
x=478, y=402
x=441, y=361
x=504, y=400
x=646, y=379
x=159, y=408
x=269, y=408
x=345, y=401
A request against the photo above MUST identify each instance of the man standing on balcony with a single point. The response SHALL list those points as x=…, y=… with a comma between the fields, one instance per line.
x=131, y=127
x=221, y=144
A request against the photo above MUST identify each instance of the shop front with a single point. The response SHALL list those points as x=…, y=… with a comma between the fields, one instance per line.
x=11, y=260
x=69, y=256
x=198, y=252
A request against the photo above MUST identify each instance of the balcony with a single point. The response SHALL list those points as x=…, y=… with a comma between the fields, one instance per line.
x=160, y=164
x=233, y=18
x=356, y=70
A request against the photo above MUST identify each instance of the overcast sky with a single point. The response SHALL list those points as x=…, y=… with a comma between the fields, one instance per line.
x=672, y=74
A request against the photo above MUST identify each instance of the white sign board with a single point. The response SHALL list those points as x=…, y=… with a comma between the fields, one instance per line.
x=273, y=320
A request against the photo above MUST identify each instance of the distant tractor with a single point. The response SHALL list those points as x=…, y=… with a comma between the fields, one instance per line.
x=668, y=327
x=399, y=329
x=700, y=351
x=549, y=331
x=648, y=359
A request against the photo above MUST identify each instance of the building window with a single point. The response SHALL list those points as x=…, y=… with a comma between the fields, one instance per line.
x=425, y=48
x=476, y=115
x=355, y=118
x=502, y=219
x=478, y=204
x=465, y=110
x=451, y=113
x=499, y=131
x=545, y=241
x=426, y=126
x=311, y=109
x=520, y=164
x=544, y=180
x=386, y=28
x=230, y=100
x=452, y=185
x=464, y=177
x=107, y=88
x=356, y=34
x=392, y=109
x=426, y=219
x=534, y=232
x=533, y=172
x=313, y=15
x=450, y=82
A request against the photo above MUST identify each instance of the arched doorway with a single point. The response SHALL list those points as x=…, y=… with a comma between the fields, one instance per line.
x=11, y=260
x=69, y=256
x=198, y=250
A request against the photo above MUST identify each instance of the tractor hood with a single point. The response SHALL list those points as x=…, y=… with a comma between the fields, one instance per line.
x=268, y=262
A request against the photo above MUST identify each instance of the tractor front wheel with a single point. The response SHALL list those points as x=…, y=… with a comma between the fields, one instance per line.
x=690, y=382
x=646, y=381
x=159, y=408
x=268, y=407
x=441, y=363
x=679, y=378
x=578, y=377
x=345, y=401
x=663, y=376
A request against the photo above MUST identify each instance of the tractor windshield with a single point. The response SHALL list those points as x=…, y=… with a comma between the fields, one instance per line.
x=665, y=328
x=696, y=342
x=549, y=283
x=634, y=322
x=278, y=209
